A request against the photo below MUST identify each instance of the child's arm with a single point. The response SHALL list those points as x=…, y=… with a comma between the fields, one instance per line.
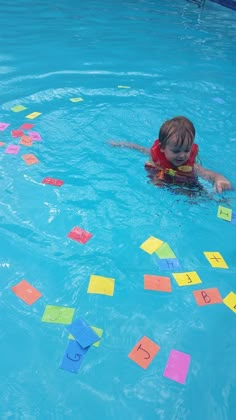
x=220, y=182
x=130, y=146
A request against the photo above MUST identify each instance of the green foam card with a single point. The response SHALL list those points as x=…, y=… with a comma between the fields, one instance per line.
x=224, y=213
x=18, y=108
x=58, y=314
x=165, y=251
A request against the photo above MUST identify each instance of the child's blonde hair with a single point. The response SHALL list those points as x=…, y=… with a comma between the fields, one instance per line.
x=180, y=129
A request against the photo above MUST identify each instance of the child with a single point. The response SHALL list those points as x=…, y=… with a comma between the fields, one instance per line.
x=173, y=156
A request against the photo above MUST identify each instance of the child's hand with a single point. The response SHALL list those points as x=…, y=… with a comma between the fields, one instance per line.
x=221, y=184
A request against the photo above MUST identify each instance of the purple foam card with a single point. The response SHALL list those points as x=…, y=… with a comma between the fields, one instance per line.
x=12, y=149
x=169, y=264
x=83, y=333
x=233, y=220
x=35, y=136
x=73, y=357
x=177, y=366
x=3, y=126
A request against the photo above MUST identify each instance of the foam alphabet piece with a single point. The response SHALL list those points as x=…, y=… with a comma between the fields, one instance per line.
x=101, y=285
x=159, y=283
x=98, y=331
x=165, y=251
x=58, y=314
x=33, y=115
x=230, y=301
x=79, y=235
x=215, y=259
x=83, y=333
x=207, y=296
x=18, y=108
x=169, y=264
x=187, y=279
x=30, y=159
x=224, y=213
x=53, y=181
x=26, y=292
x=144, y=352
x=12, y=149
x=3, y=126
x=151, y=244
x=177, y=366
x=73, y=357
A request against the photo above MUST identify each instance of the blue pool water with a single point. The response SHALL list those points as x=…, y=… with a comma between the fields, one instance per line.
x=177, y=59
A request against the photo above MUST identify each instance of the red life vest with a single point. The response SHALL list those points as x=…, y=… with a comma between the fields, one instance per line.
x=163, y=164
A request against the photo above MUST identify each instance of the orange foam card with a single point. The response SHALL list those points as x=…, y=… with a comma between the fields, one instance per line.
x=30, y=159
x=144, y=352
x=159, y=283
x=26, y=141
x=26, y=292
x=207, y=296
x=215, y=259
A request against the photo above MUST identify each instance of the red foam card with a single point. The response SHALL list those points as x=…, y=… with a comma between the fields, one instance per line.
x=143, y=352
x=17, y=133
x=26, y=126
x=79, y=235
x=53, y=181
x=160, y=283
x=26, y=292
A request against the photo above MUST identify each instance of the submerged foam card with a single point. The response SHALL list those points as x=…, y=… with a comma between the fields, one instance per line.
x=177, y=366
x=58, y=314
x=30, y=159
x=151, y=244
x=233, y=220
x=187, y=279
x=33, y=115
x=35, y=136
x=224, y=213
x=12, y=149
x=207, y=296
x=26, y=292
x=230, y=301
x=76, y=99
x=98, y=331
x=26, y=141
x=79, y=235
x=101, y=285
x=168, y=264
x=123, y=87
x=53, y=181
x=83, y=333
x=17, y=133
x=160, y=283
x=215, y=259
x=3, y=126
x=165, y=251
x=2, y=143
x=73, y=357
x=18, y=108
x=144, y=352
x=26, y=126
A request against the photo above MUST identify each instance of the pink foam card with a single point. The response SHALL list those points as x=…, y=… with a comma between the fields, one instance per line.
x=79, y=235
x=12, y=149
x=2, y=143
x=17, y=133
x=53, y=181
x=26, y=126
x=3, y=126
x=177, y=366
x=35, y=136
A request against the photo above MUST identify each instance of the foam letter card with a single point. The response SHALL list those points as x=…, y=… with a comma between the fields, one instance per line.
x=18, y=108
x=224, y=213
x=165, y=251
x=169, y=264
x=230, y=301
x=26, y=126
x=3, y=126
x=73, y=357
x=35, y=136
x=53, y=181
x=12, y=149
x=177, y=366
x=101, y=285
x=58, y=314
x=33, y=115
x=98, y=331
x=207, y=296
x=159, y=283
x=151, y=244
x=83, y=333
x=187, y=279
x=215, y=259
x=144, y=352
x=30, y=159
x=76, y=99
x=17, y=133
x=26, y=141
x=79, y=235
x=26, y=292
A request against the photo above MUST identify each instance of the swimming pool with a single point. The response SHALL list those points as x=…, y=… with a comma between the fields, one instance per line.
x=177, y=60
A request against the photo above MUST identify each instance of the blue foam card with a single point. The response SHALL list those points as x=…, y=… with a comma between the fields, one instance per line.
x=73, y=357
x=169, y=264
x=83, y=333
x=233, y=220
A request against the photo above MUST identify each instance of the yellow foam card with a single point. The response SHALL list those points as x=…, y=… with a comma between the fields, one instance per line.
x=151, y=244
x=33, y=115
x=187, y=279
x=230, y=301
x=215, y=259
x=123, y=87
x=101, y=285
x=97, y=330
x=165, y=251
x=76, y=99
x=18, y=108
x=224, y=213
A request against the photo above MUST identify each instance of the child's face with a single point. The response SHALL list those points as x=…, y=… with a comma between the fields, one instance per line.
x=175, y=154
